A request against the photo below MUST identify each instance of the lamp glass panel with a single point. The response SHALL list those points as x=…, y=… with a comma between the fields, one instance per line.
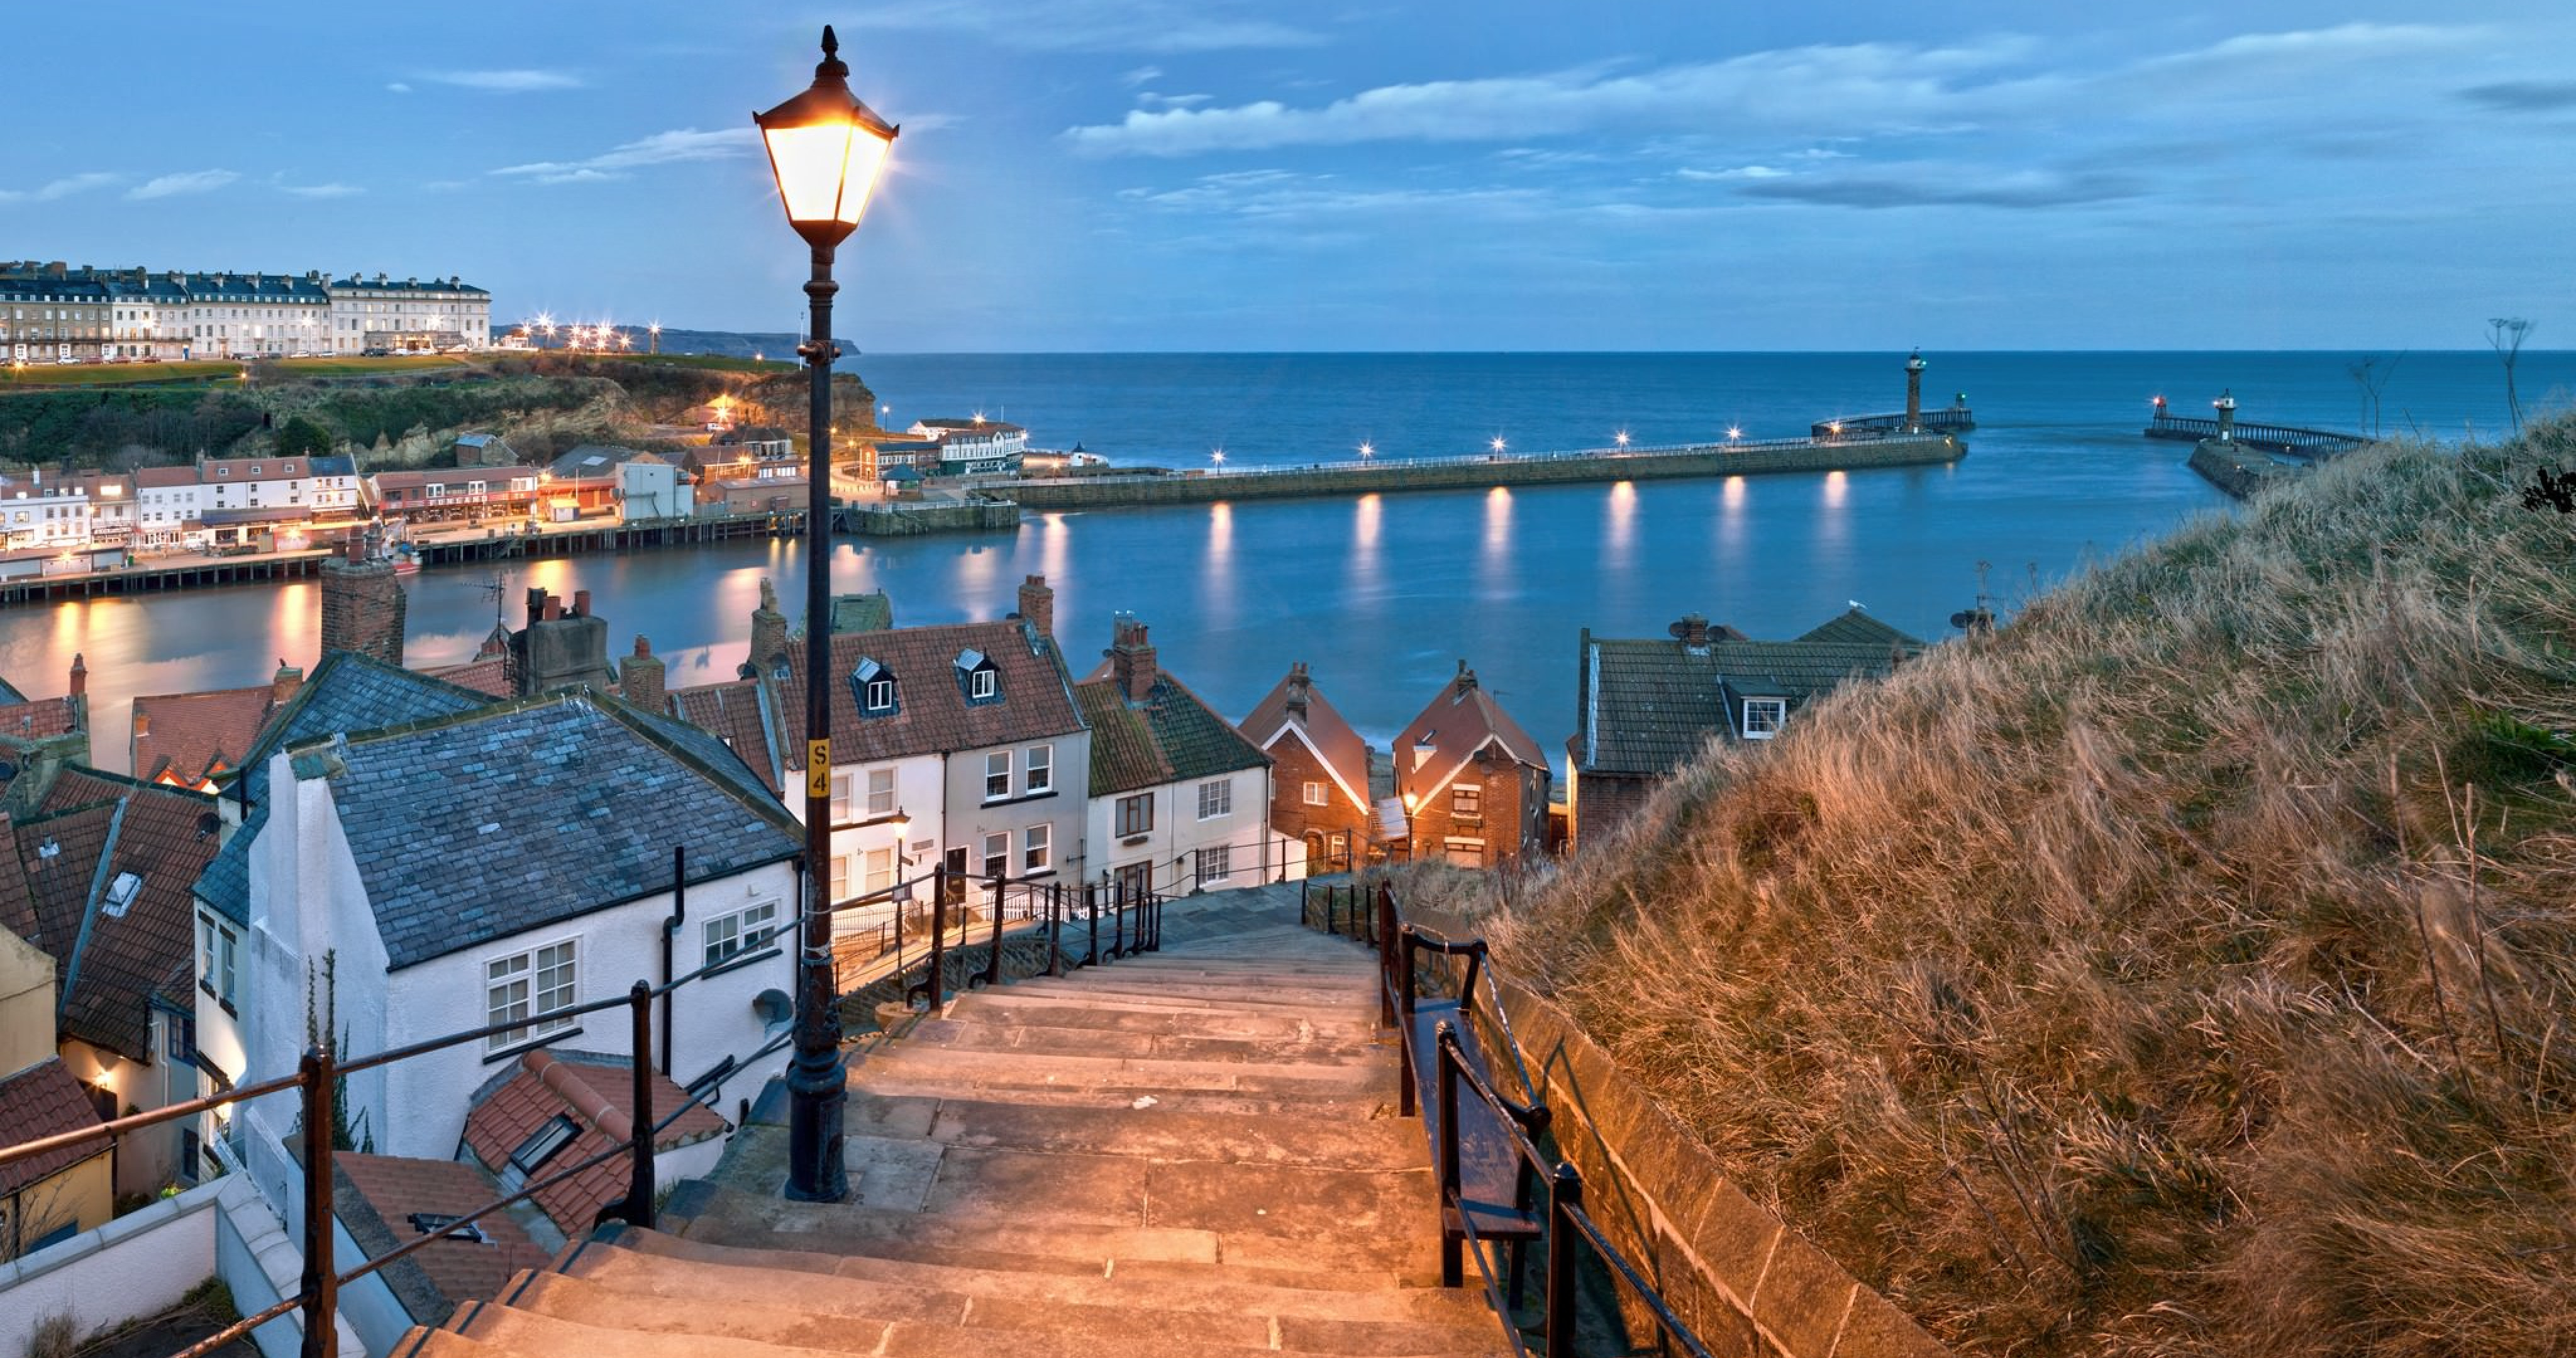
x=809, y=162
x=867, y=160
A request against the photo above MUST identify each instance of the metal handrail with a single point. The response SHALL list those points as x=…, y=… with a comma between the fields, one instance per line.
x=1390, y=465
x=1569, y=1226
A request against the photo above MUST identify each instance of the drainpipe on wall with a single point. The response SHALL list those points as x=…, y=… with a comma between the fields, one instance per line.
x=670, y=934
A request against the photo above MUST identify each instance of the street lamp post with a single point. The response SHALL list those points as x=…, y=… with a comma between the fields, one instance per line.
x=826, y=149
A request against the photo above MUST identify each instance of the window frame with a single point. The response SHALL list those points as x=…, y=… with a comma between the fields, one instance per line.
x=1467, y=801
x=876, y=870
x=1037, y=849
x=1132, y=824
x=997, y=854
x=1219, y=856
x=1220, y=792
x=537, y=1022
x=1315, y=794
x=983, y=685
x=1779, y=711
x=1037, y=769
x=843, y=781
x=737, y=940
x=882, y=804
x=991, y=793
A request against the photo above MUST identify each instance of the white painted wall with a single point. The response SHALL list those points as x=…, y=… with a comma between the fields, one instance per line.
x=1257, y=854
x=137, y=1265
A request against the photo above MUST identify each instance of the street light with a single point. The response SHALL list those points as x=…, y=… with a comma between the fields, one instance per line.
x=826, y=150
x=1620, y=438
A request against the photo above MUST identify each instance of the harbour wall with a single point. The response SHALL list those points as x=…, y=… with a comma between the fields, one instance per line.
x=1104, y=492
x=2236, y=469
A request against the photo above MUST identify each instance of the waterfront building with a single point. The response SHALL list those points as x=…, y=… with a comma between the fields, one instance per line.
x=507, y=900
x=485, y=450
x=48, y=314
x=881, y=459
x=452, y=494
x=407, y=315
x=170, y=509
x=1319, y=773
x=751, y=490
x=96, y=875
x=1471, y=783
x=1179, y=798
x=1643, y=707
x=958, y=744
x=586, y=481
x=651, y=487
x=61, y=511
x=51, y=1197
x=973, y=447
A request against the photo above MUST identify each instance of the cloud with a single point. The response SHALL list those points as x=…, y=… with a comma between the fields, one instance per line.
x=2524, y=96
x=64, y=187
x=1154, y=26
x=1152, y=100
x=1739, y=172
x=506, y=82
x=1900, y=186
x=192, y=181
x=334, y=190
x=661, y=148
x=399, y=87
x=1139, y=76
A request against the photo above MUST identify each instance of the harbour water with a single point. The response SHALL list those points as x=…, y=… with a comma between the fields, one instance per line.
x=1383, y=594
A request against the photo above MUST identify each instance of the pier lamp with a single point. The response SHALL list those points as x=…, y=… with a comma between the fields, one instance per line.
x=1496, y=445
x=826, y=149
x=1368, y=450
x=1620, y=438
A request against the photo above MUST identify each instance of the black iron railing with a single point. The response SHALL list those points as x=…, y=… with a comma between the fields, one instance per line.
x=1568, y=1231
x=961, y=906
x=2274, y=438
x=316, y=1080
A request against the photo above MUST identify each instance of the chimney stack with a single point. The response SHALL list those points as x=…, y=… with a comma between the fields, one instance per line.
x=80, y=675
x=282, y=685
x=1037, y=605
x=362, y=605
x=1464, y=684
x=1131, y=658
x=768, y=631
x=1300, y=690
x=1692, y=631
x=142, y=723
x=641, y=677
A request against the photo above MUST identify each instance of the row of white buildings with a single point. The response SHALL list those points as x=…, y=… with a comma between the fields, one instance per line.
x=50, y=313
x=213, y=502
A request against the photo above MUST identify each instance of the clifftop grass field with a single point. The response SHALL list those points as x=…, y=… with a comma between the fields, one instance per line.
x=2189, y=968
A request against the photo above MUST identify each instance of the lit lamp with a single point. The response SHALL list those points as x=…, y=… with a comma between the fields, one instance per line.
x=1412, y=803
x=826, y=149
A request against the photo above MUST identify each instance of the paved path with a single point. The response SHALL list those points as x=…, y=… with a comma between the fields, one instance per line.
x=1184, y=1155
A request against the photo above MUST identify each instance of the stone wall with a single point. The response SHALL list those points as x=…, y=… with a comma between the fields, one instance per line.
x=1749, y=1286
x=2236, y=469
x=1099, y=492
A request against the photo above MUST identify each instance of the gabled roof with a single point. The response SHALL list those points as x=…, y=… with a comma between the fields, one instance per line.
x=547, y=809
x=348, y=691
x=44, y=1100
x=40, y=718
x=932, y=714
x=375, y=1197
x=869, y=612
x=1458, y=723
x=734, y=712
x=598, y=1097
x=1646, y=705
x=489, y=675
x=1343, y=753
x=105, y=868
x=194, y=736
x=1173, y=736
x=591, y=460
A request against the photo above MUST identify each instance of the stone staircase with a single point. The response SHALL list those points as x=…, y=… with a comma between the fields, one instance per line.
x=1183, y=1155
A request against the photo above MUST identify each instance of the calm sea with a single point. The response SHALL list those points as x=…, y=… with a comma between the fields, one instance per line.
x=1382, y=595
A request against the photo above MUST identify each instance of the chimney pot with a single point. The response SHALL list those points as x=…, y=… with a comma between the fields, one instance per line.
x=581, y=603
x=142, y=723
x=642, y=646
x=80, y=675
x=1131, y=658
x=1037, y=605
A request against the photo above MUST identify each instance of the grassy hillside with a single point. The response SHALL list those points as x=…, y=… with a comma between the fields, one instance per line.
x=2188, y=969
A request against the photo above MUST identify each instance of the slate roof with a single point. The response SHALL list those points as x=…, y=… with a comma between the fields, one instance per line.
x=734, y=712
x=375, y=1196
x=44, y=1100
x=932, y=713
x=1458, y=723
x=549, y=808
x=591, y=460
x=869, y=612
x=1333, y=740
x=191, y=736
x=1173, y=736
x=597, y=1094
x=9, y=693
x=347, y=692
x=1644, y=706
x=113, y=948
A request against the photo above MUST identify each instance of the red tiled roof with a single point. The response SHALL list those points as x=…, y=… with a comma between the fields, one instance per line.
x=114, y=954
x=932, y=714
x=1340, y=747
x=192, y=735
x=730, y=712
x=44, y=1100
x=1457, y=724
x=38, y=718
x=600, y=1102
x=156, y=478
x=394, y=1187
x=490, y=675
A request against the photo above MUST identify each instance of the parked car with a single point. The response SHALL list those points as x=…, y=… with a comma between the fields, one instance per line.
x=377, y=352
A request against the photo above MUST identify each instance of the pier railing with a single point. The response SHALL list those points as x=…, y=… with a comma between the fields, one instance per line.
x=2270, y=438
x=1393, y=465
x=1946, y=420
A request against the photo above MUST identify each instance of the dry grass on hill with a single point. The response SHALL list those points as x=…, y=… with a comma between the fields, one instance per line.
x=2189, y=969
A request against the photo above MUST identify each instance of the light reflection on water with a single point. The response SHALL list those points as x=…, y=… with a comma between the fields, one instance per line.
x=1379, y=594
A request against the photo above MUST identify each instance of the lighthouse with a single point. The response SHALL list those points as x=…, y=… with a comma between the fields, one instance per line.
x=2226, y=404
x=1914, y=393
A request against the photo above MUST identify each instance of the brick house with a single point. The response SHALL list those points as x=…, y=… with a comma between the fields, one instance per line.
x=1319, y=773
x=1643, y=707
x=1472, y=783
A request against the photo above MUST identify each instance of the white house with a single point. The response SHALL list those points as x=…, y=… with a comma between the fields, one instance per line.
x=538, y=879
x=169, y=507
x=649, y=487
x=407, y=314
x=1180, y=800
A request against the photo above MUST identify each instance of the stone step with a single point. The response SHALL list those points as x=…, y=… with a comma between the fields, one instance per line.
x=978, y=1030
x=612, y=1282
x=1142, y=996
x=891, y=1084
x=1097, y=1013
x=1160, y=1253
x=1161, y=1132
x=1348, y=1002
x=996, y=1070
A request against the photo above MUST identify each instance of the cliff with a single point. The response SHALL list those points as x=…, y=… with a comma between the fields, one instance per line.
x=2188, y=968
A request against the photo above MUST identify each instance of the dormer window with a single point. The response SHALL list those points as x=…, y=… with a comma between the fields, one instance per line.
x=873, y=685
x=1762, y=717
x=981, y=677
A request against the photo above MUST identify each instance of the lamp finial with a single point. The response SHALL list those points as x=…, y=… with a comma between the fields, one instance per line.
x=831, y=66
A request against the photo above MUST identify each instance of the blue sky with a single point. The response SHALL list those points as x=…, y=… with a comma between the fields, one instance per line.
x=1221, y=174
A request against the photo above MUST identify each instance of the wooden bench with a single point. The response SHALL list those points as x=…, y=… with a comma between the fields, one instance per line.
x=1493, y=1180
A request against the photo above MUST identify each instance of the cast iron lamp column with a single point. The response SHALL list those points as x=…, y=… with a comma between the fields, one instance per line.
x=826, y=148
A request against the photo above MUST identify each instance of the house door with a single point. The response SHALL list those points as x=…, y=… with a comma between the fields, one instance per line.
x=1136, y=880
x=956, y=875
